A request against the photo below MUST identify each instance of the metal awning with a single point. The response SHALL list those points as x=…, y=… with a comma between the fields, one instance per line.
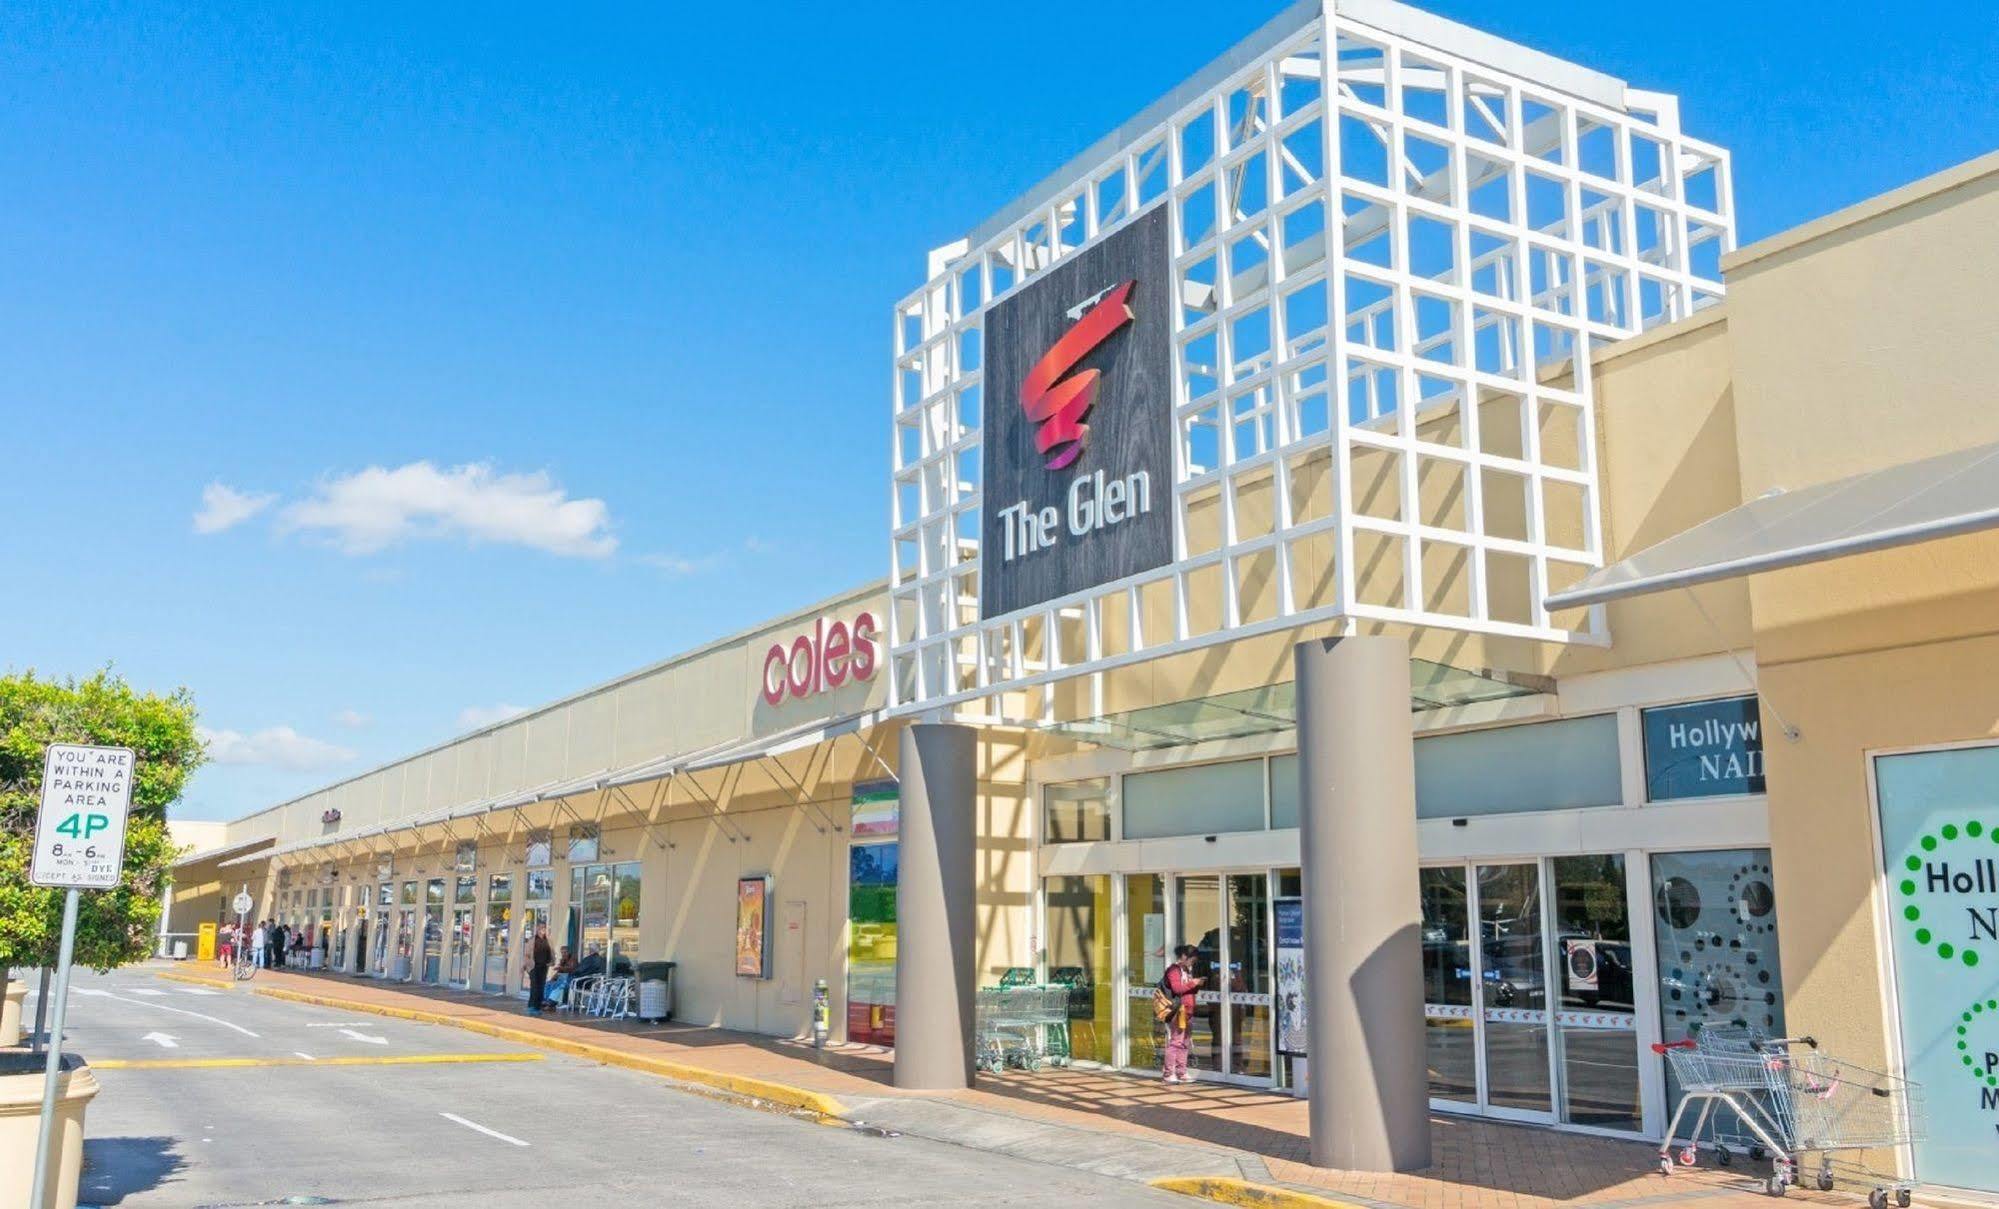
x=1942, y=496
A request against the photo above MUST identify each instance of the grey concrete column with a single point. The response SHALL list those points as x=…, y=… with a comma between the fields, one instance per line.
x=936, y=892
x=1363, y=911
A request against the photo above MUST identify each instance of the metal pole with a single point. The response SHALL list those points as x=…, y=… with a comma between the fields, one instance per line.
x=52, y=1072
x=42, y=1010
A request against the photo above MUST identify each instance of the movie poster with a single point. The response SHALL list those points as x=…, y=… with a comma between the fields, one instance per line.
x=753, y=927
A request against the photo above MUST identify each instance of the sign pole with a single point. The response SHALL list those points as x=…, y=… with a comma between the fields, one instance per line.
x=52, y=1072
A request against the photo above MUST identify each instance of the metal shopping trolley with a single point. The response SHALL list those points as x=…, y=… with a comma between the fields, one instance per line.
x=1785, y=1100
x=1020, y=1027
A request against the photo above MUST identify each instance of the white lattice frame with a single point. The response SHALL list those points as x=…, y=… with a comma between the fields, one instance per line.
x=942, y=655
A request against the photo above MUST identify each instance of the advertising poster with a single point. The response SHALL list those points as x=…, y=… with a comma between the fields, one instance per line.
x=1940, y=849
x=875, y=810
x=1290, y=976
x=753, y=927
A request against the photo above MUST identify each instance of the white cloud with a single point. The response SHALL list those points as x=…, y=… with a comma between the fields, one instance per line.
x=472, y=717
x=758, y=545
x=373, y=509
x=277, y=746
x=680, y=564
x=352, y=719
x=224, y=507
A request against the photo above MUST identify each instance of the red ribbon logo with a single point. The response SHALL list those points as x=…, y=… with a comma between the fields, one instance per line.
x=1059, y=404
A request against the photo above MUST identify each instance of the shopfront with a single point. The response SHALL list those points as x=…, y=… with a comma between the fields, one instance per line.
x=1589, y=885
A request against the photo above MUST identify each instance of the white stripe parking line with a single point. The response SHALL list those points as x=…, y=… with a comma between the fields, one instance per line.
x=474, y=1125
x=147, y=991
x=301, y=1053
x=186, y=991
x=161, y=1007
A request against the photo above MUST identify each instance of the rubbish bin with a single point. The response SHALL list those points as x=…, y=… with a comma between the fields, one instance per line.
x=655, y=990
x=180, y=950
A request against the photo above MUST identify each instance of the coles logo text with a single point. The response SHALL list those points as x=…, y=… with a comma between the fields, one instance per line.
x=833, y=653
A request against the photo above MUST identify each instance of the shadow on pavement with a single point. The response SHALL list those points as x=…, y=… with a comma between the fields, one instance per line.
x=115, y=1168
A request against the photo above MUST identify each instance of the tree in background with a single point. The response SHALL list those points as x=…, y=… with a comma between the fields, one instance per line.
x=112, y=926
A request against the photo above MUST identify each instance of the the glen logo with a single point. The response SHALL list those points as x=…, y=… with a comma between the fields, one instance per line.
x=1057, y=405
x=824, y=659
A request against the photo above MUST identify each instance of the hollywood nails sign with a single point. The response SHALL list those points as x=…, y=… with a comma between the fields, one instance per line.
x=828, y=656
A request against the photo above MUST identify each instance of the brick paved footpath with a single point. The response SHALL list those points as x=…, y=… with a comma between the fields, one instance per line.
x=1104, y=1121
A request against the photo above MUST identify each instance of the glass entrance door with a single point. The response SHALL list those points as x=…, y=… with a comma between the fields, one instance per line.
x=1226, y=918
x=1500, y=941
x=499, y=918
x=433, y=928
x=464, y=898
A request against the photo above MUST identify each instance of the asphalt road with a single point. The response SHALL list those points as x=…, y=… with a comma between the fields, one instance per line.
x=355, y=1109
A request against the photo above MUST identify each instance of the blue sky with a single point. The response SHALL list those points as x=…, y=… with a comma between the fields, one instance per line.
x=631, y=267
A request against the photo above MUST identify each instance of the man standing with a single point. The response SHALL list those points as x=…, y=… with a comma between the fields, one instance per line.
x=257, y=942
x=539, y=956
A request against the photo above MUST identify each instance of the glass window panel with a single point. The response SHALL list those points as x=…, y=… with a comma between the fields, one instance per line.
x=1199, y=800
x=1561, y=765
x=583, y=842
x=1283, y=791
x=624, y=915
x=1703, y=749
x=1513, y=987
x=1447, y=985
x=1076, y=810
x=1079, y=957
x=1197, y=908
x=1146, y=956
x=1716, y=920
x=1597, y=1015
x=1248, y=975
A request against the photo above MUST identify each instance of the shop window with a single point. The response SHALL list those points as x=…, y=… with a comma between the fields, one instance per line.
x=583, y=842
x=1079, y=924
x=1705, y=749
x=540, y=849
x=1283, y=791
x=1145, y=965
x=1076, y=810
x=1201, y=799
x=871, y=880
x=1564, y=765
x=624, y=914
x=1716, y=916
x=466, y=856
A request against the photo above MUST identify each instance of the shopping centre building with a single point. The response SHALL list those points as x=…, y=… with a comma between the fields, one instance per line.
x=1366, y=519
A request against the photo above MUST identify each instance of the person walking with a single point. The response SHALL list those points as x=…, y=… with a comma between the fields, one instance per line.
x=539, y=957
x=225, y=952
x=1181, y=984
x=257, y=942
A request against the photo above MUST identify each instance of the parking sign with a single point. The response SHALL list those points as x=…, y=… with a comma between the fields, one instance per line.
x=80, y=832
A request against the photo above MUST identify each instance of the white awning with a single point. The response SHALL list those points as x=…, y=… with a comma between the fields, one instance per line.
x=236, y=849
x=1942, y=496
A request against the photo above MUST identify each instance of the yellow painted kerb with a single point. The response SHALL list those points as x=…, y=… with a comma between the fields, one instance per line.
x=196, y=979
x=1225, y=1191
x=739, y=1085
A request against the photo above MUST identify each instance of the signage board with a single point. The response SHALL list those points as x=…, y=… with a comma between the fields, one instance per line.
x=831, y=654
x=80, y=831
x=753, y=927
x=1940, y=857
x=1078, y=471
x=241, y=903
x=1290, y=976
x=1705, y=749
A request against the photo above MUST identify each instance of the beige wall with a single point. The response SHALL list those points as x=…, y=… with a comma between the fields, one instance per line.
x=689, y=703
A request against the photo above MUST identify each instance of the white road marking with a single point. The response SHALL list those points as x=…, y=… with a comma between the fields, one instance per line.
x=301, y=1053
x=333, y=1024
x=161, y=1007
x=163, y=1040
x=147, y=991
x=348, y=1032
x=491, y=1133
x=191, y=991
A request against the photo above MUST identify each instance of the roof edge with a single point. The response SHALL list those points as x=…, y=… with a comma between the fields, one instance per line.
x=1934, y=185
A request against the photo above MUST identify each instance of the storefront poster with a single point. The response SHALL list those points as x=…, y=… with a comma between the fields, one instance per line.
x=872, y=871
x=753, y=927
x=876, y=810
x=1940, y=850
x=1705, y=749
x=1291, y=1032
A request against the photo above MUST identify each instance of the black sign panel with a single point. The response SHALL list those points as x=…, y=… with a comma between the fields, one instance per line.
x=1079, y=424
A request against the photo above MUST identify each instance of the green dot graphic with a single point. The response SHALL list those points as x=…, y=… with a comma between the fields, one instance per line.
x=1908, y=887
x=1923, y=938
x=1929, y=843
x=1945, y=949
x=1950, y=831
x=1973, y=828
x=1911, y=914
x=1971, y=957
x=1914, y=863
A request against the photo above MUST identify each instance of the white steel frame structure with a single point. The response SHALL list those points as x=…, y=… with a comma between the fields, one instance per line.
x=1410, y=403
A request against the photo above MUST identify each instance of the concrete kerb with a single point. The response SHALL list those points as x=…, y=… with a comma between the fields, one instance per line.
x=1225, y=1191
x=745, y=1086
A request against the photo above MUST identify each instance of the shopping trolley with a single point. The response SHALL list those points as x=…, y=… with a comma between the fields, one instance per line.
x=1020, y=1027
x=1788, y=1101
